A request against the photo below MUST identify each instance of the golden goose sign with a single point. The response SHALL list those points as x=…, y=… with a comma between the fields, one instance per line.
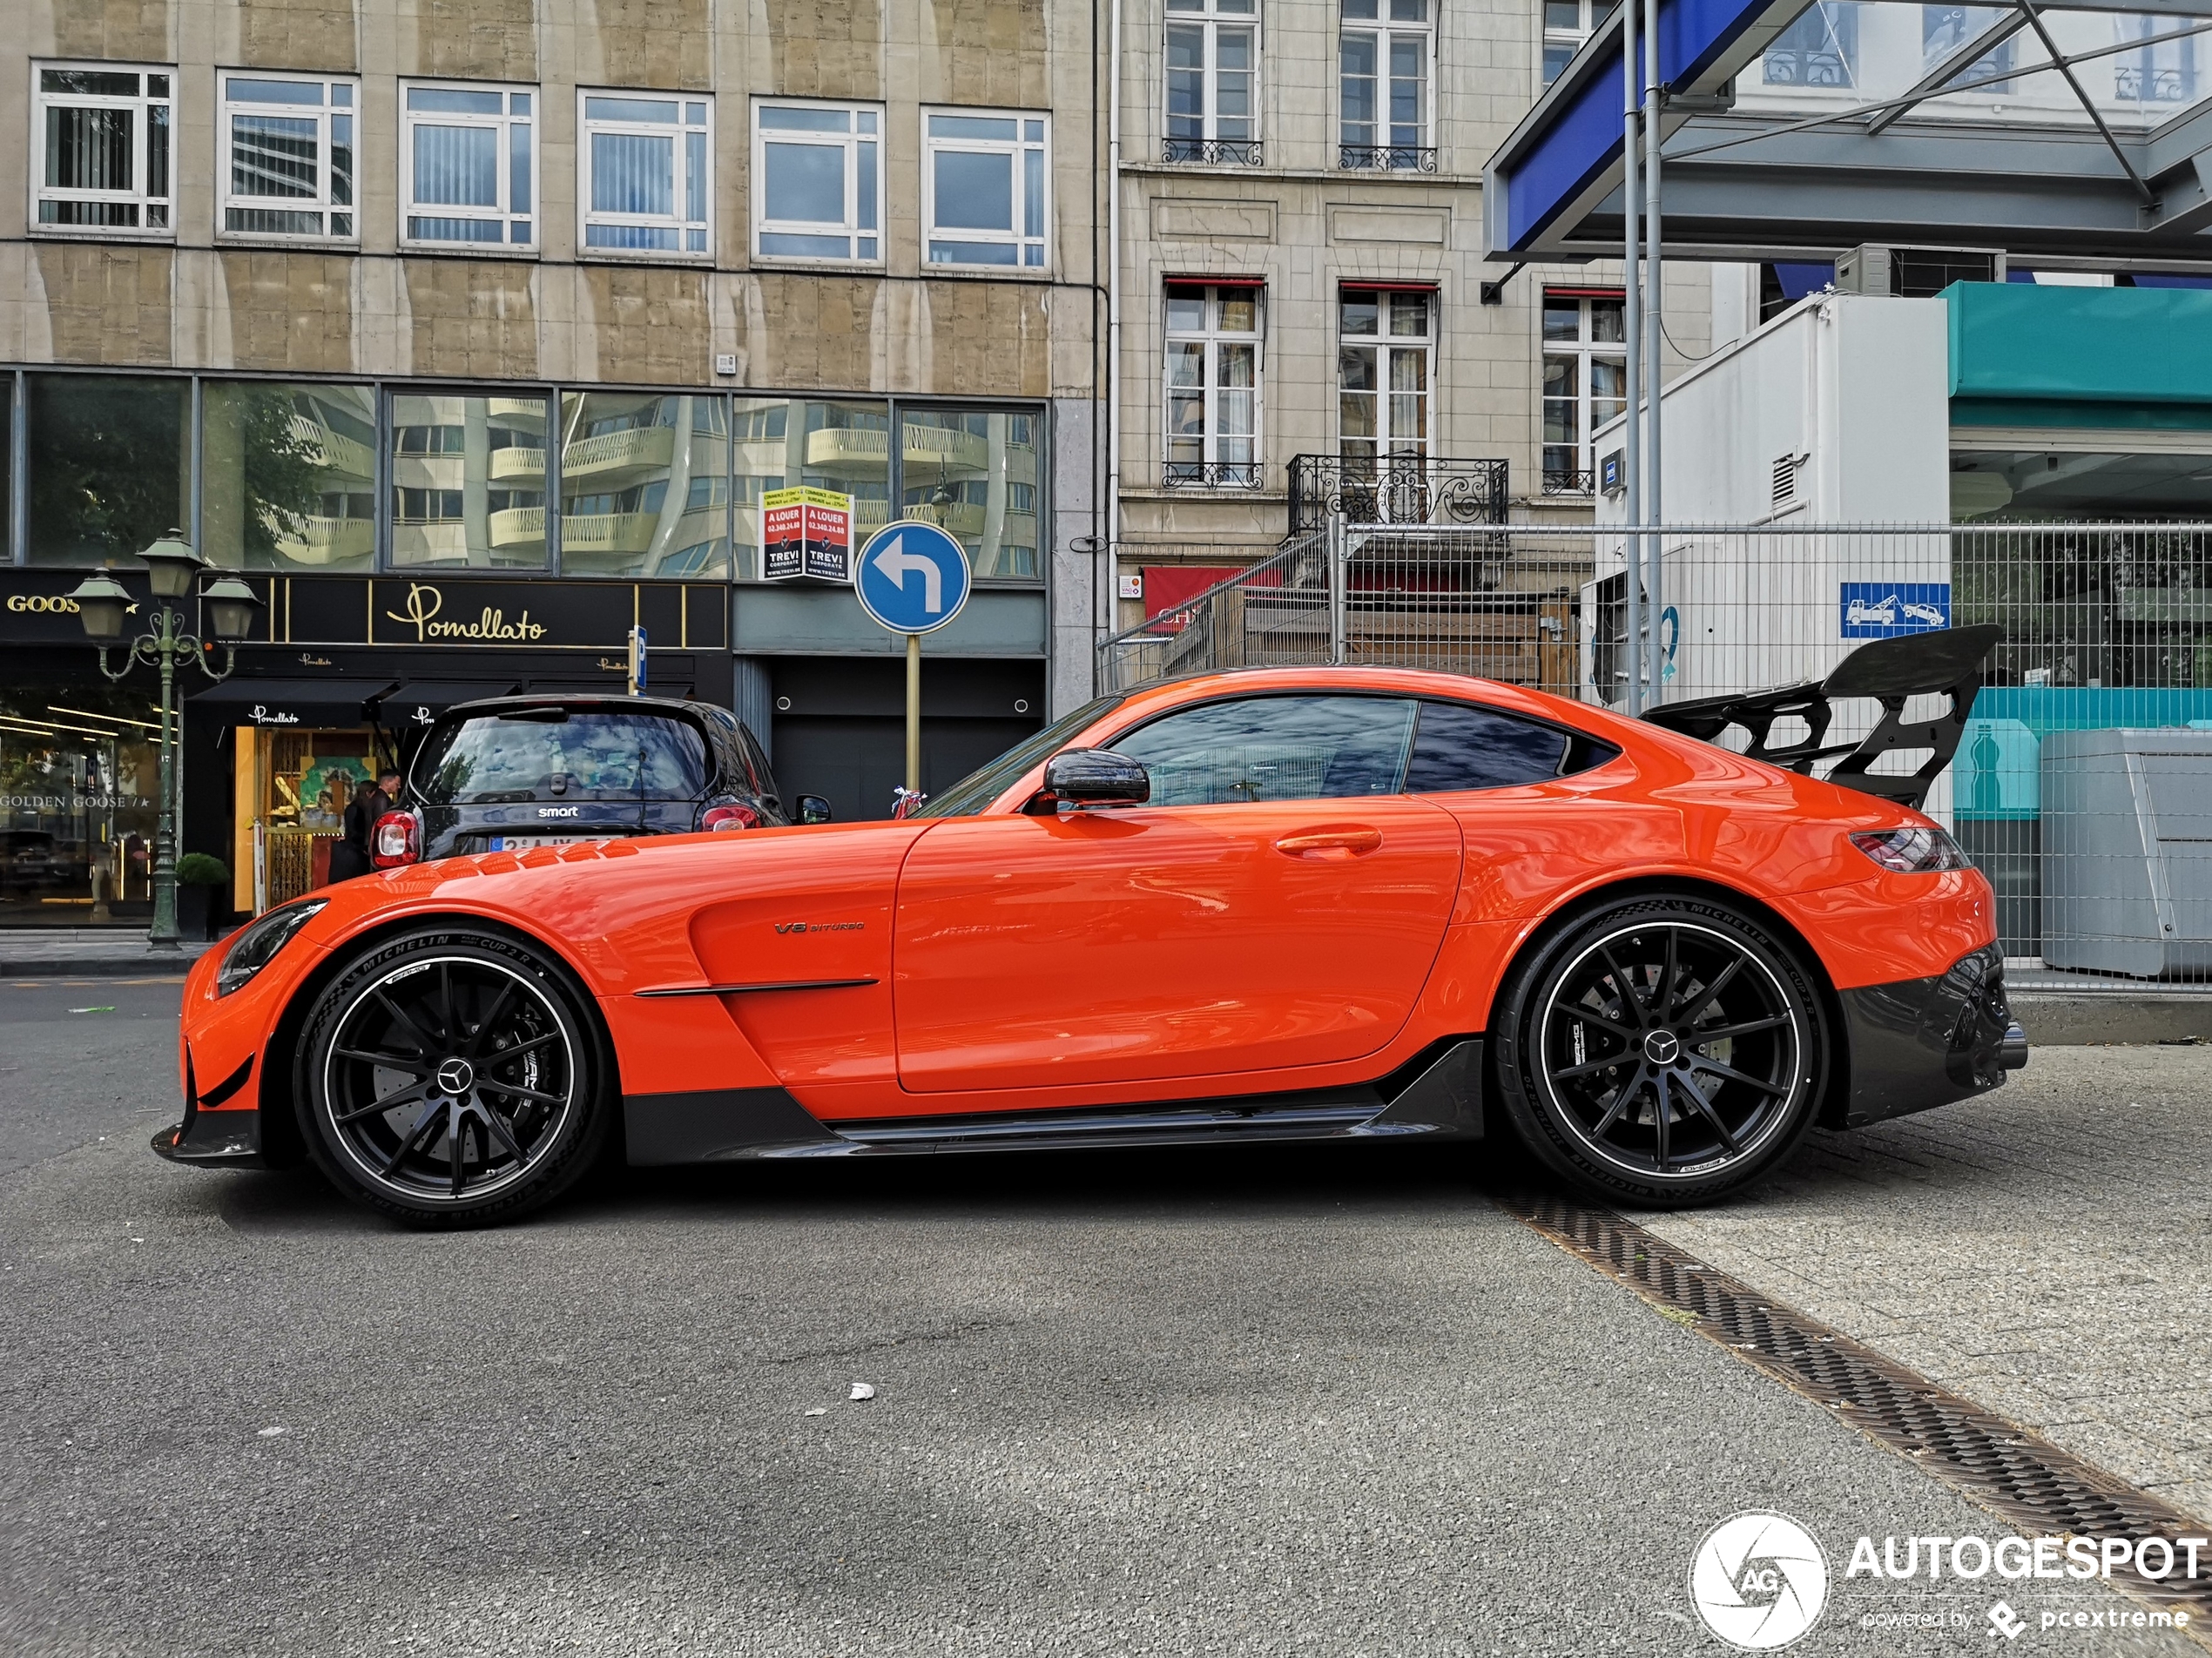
x=423, y=604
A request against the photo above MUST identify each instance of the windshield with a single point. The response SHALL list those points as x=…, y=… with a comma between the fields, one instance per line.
x=587, y=756
x=978, y=789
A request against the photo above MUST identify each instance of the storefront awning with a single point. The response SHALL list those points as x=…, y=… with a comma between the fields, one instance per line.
x=308, y=704
x=417, y=702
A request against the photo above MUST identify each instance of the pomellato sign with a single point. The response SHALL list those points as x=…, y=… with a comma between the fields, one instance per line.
x=424, y=607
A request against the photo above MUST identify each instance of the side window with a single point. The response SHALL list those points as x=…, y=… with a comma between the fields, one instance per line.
x=1463, y=745
x=1274, y=748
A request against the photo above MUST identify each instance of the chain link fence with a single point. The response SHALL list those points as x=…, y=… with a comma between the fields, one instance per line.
x=2081, y=784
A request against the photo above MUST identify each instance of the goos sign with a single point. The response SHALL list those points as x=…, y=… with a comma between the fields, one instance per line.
x=42, y=604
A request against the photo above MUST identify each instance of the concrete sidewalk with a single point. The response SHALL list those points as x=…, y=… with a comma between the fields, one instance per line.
x=73, y=952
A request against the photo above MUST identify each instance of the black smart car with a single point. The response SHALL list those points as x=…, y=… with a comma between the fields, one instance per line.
x=510, y=772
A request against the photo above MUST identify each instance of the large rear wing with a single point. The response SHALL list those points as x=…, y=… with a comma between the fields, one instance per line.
x=1946, y=661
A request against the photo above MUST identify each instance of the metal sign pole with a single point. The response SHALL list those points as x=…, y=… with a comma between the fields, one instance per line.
x=1654, y=339
x=914, y=713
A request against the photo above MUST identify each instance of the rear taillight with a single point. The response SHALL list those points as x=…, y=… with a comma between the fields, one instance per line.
x=396, y=839
x=1910, y=851
x=730, y=817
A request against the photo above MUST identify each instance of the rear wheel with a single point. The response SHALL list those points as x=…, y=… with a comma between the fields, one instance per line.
x=453, y=1077
x=1662, y=1051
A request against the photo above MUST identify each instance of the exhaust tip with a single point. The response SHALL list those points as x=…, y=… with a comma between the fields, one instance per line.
x=2011, y=1053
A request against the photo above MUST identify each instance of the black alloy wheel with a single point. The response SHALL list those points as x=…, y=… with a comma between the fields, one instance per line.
x=1662, y=1052
x=453, y=1077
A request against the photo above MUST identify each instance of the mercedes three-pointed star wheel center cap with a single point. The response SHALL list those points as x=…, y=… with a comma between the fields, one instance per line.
x=456, y=1077
x=1661, y=1048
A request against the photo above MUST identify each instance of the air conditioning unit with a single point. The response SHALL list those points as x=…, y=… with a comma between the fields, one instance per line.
x=1915, y=272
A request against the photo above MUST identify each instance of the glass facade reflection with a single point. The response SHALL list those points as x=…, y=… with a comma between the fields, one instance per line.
x=644, y=484
x=468, y=482
x=312, y=477
x=288, y=475
x=110, y=465
x=77, y=794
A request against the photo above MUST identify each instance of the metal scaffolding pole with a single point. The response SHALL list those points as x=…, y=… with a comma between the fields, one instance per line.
x=1654, y=339
x=1632, y=327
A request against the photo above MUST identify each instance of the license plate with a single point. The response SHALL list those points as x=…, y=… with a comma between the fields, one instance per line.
x=523, y=843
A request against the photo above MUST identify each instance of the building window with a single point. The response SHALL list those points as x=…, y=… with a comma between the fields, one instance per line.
x=288, y=475
x=1387, y=340
x=644, y=483
x=819, y=193
x=103, y=139
x=644, y=175
x=1820, y=49
x=1212, y=85
x=984, y=189
x=469, y=168
x=1384, y=86
x=1944, y=30
x=2160, y=74
x=468, y=482
x=1566, y=25
x=1586, y=370
x=958, y=470
x=109, y=464
x=1212, y=385
x=289, y=166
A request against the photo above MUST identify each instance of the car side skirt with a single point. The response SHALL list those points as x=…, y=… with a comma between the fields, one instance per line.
x=1919, y=1043
x=1439, y=1095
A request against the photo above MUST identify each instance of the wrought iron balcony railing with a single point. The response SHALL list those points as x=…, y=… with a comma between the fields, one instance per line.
x=1210, y=474
x=1397, y=489
x=1561, y=483
x=1385, y=157
x=1214, y=152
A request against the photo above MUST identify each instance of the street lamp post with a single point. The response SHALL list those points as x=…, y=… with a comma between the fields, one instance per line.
x=102, y=604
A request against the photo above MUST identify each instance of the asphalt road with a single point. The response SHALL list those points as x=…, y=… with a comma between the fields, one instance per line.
x=1304, y=1401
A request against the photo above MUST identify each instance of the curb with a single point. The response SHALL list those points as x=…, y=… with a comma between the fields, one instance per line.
x=101, y=966
x=2055, y=1019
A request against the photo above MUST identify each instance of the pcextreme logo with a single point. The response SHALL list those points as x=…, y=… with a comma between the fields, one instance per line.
x=1758, y=1580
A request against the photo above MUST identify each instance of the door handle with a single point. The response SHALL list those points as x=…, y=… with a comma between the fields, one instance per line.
x=1331, y=844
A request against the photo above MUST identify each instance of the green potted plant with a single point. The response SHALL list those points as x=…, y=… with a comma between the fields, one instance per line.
x=198, y=877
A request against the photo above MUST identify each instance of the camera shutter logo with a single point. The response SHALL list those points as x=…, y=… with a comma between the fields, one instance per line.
x=1758, y=1580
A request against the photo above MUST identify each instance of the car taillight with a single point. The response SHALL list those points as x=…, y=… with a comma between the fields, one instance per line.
x=1910, y=851
x=396, y=839
x=730, y=817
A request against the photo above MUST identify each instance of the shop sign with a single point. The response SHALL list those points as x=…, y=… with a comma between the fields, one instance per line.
x=806, y=532
x=38, y=608
x=470, y=623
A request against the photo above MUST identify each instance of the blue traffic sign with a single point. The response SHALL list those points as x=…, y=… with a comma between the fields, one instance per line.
x=912, y=577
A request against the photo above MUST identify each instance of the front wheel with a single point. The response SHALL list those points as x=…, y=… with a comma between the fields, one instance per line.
x=1662, y=1051
x=452, y=1077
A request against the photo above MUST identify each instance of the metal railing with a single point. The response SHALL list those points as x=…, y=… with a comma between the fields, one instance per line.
x=1394, y=490
x=1210, y=474
x=2081, y=786
x=1214, y=152
x=1385, y=157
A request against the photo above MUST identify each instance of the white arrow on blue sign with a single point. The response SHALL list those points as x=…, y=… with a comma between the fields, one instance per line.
x=912, y=577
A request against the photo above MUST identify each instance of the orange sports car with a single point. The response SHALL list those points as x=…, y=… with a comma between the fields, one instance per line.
x=1292, y=904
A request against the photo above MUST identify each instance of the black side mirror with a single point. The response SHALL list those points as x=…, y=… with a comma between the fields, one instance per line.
x=1096, y=777
x=814, y=809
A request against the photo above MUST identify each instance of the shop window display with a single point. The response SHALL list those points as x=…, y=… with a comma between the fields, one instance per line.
x=300, y=783
x=79, y=795
x=109, y=465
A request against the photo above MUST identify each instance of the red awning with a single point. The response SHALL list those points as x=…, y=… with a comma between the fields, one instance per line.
x=1220, y=282
x=1387, y=288
x=1551, y=293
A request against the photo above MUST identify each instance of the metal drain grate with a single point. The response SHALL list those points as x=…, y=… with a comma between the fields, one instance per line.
x=2025, y=1480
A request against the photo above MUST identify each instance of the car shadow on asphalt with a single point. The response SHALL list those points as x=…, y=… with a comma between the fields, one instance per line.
x=1201, y=1184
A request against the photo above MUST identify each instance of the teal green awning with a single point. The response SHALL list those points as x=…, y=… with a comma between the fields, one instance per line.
x=2018, y=344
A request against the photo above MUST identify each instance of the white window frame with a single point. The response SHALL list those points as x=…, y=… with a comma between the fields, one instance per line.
x=694, y=236
x=1559, y=36
x=1387, y=28
x=1388, y=457
x=862, y=229
x=1584, y=350
x=520, y=114
x=1213, y=18
x=1032, y=250
x=141, y=107
x=337, y=119
x=1213, y=471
